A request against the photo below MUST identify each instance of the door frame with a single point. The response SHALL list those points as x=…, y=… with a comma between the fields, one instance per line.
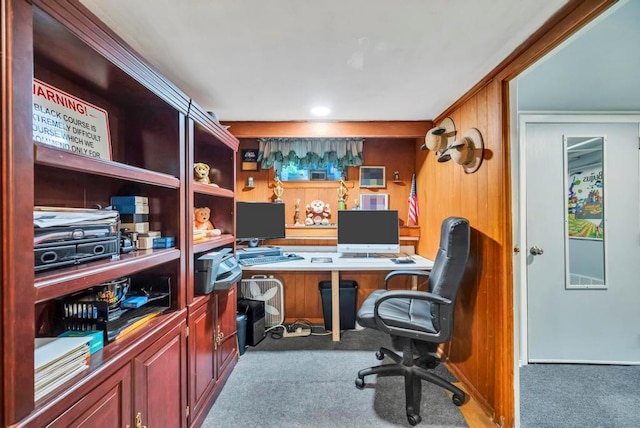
x=519, y=214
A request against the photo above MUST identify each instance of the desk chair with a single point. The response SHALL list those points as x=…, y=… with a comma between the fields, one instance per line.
x=418, y=320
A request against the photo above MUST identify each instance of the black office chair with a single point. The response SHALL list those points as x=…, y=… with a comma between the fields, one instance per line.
x=418, y=320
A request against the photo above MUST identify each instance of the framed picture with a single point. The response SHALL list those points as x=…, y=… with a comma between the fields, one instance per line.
x=249, y=160
x=372, y=177
x=374, y=201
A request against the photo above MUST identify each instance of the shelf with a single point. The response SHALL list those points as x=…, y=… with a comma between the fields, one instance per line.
x=208, y=189
x=63, y=281
x=51, y=156
x=111, y=354
x=212, y=243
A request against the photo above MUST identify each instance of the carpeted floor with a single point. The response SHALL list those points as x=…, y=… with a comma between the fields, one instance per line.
x=579, y=395
x=309, y=382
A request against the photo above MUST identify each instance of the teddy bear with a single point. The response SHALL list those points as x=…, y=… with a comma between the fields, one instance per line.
x=201, y=221
x=317, y=213
x=201, y=173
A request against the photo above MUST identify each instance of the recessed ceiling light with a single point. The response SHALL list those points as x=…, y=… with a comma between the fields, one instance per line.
x=320, y=111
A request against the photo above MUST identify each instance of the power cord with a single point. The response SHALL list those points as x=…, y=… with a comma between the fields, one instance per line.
x=303, y=323
x=277, y=331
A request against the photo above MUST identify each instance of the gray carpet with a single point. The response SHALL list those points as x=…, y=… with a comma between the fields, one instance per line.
x=309, y=382
x=579, y=395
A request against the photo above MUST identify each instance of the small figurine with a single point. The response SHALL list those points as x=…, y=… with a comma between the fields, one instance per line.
x=342, y=192
x=396, y=176
x=278, y=190
x=318, y=213
x=296, y=214
x=356, y=204
x=201, y=222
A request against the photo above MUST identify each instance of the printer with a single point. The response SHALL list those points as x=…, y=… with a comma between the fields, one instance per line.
x=217, y=270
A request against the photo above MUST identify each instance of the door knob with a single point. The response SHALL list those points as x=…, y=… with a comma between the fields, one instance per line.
x=536, y=251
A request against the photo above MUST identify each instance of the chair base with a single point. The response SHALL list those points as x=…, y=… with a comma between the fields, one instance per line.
x=414, y=372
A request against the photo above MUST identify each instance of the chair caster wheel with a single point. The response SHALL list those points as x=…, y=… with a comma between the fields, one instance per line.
x=379, y=355
x=414, y=419
x=359, y=383
x=457, y=400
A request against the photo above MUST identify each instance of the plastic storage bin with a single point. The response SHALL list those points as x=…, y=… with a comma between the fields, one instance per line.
x=348, y=299
x=241, y=320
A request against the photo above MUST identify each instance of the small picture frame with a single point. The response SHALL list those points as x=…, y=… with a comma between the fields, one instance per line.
x=249, y=161
x=374, y=201
x=372, y=177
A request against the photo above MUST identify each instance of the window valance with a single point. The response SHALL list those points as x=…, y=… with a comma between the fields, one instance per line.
x=344, y=152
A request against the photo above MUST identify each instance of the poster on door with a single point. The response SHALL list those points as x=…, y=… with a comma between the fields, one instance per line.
x=586, y=203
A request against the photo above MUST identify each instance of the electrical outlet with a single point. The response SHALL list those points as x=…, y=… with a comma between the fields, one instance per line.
x=299, y=332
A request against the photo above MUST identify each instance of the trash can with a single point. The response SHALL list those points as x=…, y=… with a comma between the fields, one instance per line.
x=348, y=298
x=241, y=320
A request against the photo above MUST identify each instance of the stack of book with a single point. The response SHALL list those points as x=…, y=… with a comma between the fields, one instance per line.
x=58, y=359
x=134, y=212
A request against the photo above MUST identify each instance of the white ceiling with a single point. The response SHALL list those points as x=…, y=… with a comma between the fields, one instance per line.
x=273, y=60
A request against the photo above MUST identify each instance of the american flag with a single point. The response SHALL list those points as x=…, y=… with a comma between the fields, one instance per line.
x=414, y=208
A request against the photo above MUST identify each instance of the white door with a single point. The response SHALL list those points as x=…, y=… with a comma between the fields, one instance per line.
x=583, y=291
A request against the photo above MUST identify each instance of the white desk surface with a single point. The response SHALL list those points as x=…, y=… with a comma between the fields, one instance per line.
x=341, y=263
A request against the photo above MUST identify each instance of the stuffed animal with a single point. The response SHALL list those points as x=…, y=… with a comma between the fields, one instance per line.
x=201, y=222
x=201, y=173
x=317, y=213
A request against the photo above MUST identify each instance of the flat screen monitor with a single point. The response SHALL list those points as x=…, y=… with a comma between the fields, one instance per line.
x=368, y=231
x=259, y=220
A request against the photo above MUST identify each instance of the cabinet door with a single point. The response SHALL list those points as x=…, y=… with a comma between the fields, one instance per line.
x=107, y=406
x=200, y=354
x=160, y=381
x=227, y=328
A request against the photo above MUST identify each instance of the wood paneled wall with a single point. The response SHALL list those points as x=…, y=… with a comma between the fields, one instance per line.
x=389, y=144
x=481, y=353
x=478, y=346
x=395, y=154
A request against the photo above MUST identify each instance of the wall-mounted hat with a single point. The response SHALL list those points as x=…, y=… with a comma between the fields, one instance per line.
x=468, y=151
x=439, y=137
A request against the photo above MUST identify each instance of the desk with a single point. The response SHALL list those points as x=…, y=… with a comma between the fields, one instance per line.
x=339, y=264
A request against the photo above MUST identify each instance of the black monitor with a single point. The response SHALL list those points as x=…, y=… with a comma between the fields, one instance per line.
x=259, y=220
x=368, y=231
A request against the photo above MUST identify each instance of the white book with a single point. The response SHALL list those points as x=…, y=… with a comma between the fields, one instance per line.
x=61, y=365
x=49, y=350
x=41, y=392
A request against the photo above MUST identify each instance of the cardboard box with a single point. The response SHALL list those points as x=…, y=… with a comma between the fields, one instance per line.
x=164, y=242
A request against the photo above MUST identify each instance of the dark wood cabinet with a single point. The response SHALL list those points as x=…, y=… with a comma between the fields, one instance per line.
x=213, y=349
x=107, y=406
x=226, y=329
x=160, y=381
x=201, y=355
x=156, y=133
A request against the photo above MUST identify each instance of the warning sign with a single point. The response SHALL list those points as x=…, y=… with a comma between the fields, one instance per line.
x=64, y=121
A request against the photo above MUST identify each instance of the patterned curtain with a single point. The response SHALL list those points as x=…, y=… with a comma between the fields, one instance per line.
x=344, y=152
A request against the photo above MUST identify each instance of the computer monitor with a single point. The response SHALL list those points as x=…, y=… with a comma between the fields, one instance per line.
x=368, y=231
x=259, y=220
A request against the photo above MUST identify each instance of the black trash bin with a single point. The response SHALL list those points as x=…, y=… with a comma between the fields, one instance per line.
x=348, y=299
x=241, y=320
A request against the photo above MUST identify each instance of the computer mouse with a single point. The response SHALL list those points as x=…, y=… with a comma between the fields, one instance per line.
x=292, y=255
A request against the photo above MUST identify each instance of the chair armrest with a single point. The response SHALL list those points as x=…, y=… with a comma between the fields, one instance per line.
x=409, y=294
x=419, y=273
